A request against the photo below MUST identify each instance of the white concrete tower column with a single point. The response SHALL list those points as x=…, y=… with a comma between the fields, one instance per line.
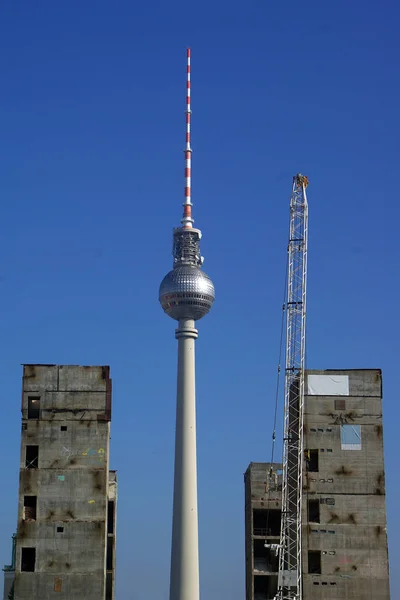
x=184, y=583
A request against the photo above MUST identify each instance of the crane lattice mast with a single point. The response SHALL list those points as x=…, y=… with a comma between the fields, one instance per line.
x=290, y=555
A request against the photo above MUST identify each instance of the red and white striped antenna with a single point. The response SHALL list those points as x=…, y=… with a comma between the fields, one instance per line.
x=187, y=221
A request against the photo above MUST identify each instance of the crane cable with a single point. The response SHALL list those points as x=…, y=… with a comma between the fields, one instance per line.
x=278, y=380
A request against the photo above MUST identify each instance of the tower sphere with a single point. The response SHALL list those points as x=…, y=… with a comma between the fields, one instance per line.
x=186, y=292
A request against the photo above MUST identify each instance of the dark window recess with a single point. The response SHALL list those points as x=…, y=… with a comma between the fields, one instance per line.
x=32, y=457
x=64, y=428
x=109, y=586
x=314, y=562
x=313, y=511
x=33, y=407
x=262, y=586
x=110, y=517
x=30, y=504
x=28, y=559
x=60, y=529
x=110, y=553
x=24, y=426
x=312, y=461
x=340, y=404
x=266, y=522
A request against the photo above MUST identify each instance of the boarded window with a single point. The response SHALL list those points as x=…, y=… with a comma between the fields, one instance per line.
x=328, y=385
x=312, y=461
x=340, y=404
x=32, y=457
x=57, y=584
x=313, y=511
x=28, y=559
x=33, y=407
x=110, y=517
x=350, y=437
x=30, y=504
x=314, y=562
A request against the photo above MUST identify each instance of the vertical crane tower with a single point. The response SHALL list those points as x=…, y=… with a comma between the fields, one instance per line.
x=186, y=295
x=290, y=554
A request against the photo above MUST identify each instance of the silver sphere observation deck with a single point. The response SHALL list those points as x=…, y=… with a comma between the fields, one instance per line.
x=186, y=292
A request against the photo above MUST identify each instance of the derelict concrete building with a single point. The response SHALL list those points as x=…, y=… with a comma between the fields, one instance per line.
x=65, y=544
x=345, y=551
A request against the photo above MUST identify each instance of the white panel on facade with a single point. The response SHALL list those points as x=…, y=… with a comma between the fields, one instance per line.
x=328, y=385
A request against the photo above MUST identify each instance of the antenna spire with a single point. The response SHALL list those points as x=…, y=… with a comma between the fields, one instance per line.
x=187, y=221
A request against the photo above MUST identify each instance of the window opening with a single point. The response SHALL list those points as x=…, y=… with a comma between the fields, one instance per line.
x=57, y=584
x=110, y=517
x=33, y=407
x=313, y=511
x=109, y=586
x=32, y=457
x=312, y=461
x=266, y=522
x=340, y=404
x=350, y=436
x=63, y=428
x=60, y=529
x=110, y=553
x=314, y=562
x=28, y=559
x=30, y=504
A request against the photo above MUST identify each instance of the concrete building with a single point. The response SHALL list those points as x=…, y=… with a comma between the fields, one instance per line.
x=9, y=573
x=263, y=497
x=65, y=544
x=345, y=551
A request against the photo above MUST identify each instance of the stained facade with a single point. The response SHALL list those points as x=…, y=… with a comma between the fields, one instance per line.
x=65, y=543
x=345, y=550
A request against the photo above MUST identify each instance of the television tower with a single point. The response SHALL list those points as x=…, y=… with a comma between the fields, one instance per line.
x=186, y=295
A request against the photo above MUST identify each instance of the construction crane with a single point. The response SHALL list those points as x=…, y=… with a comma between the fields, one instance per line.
x=290, y=555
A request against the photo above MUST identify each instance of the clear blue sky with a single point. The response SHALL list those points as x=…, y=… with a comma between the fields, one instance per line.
x=91, y=181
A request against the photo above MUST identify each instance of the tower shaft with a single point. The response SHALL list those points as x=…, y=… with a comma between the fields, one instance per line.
x=186, y=294
x=184, y=584
x=290, y=567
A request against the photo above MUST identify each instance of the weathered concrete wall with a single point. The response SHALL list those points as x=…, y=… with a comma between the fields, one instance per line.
x=350, y=487
x=70, y=483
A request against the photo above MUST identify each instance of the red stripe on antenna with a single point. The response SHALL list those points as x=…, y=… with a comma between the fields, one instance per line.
x=187, y=220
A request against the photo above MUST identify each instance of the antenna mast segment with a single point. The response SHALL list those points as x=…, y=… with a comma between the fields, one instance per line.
x=187, y=221
x=290, y=554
